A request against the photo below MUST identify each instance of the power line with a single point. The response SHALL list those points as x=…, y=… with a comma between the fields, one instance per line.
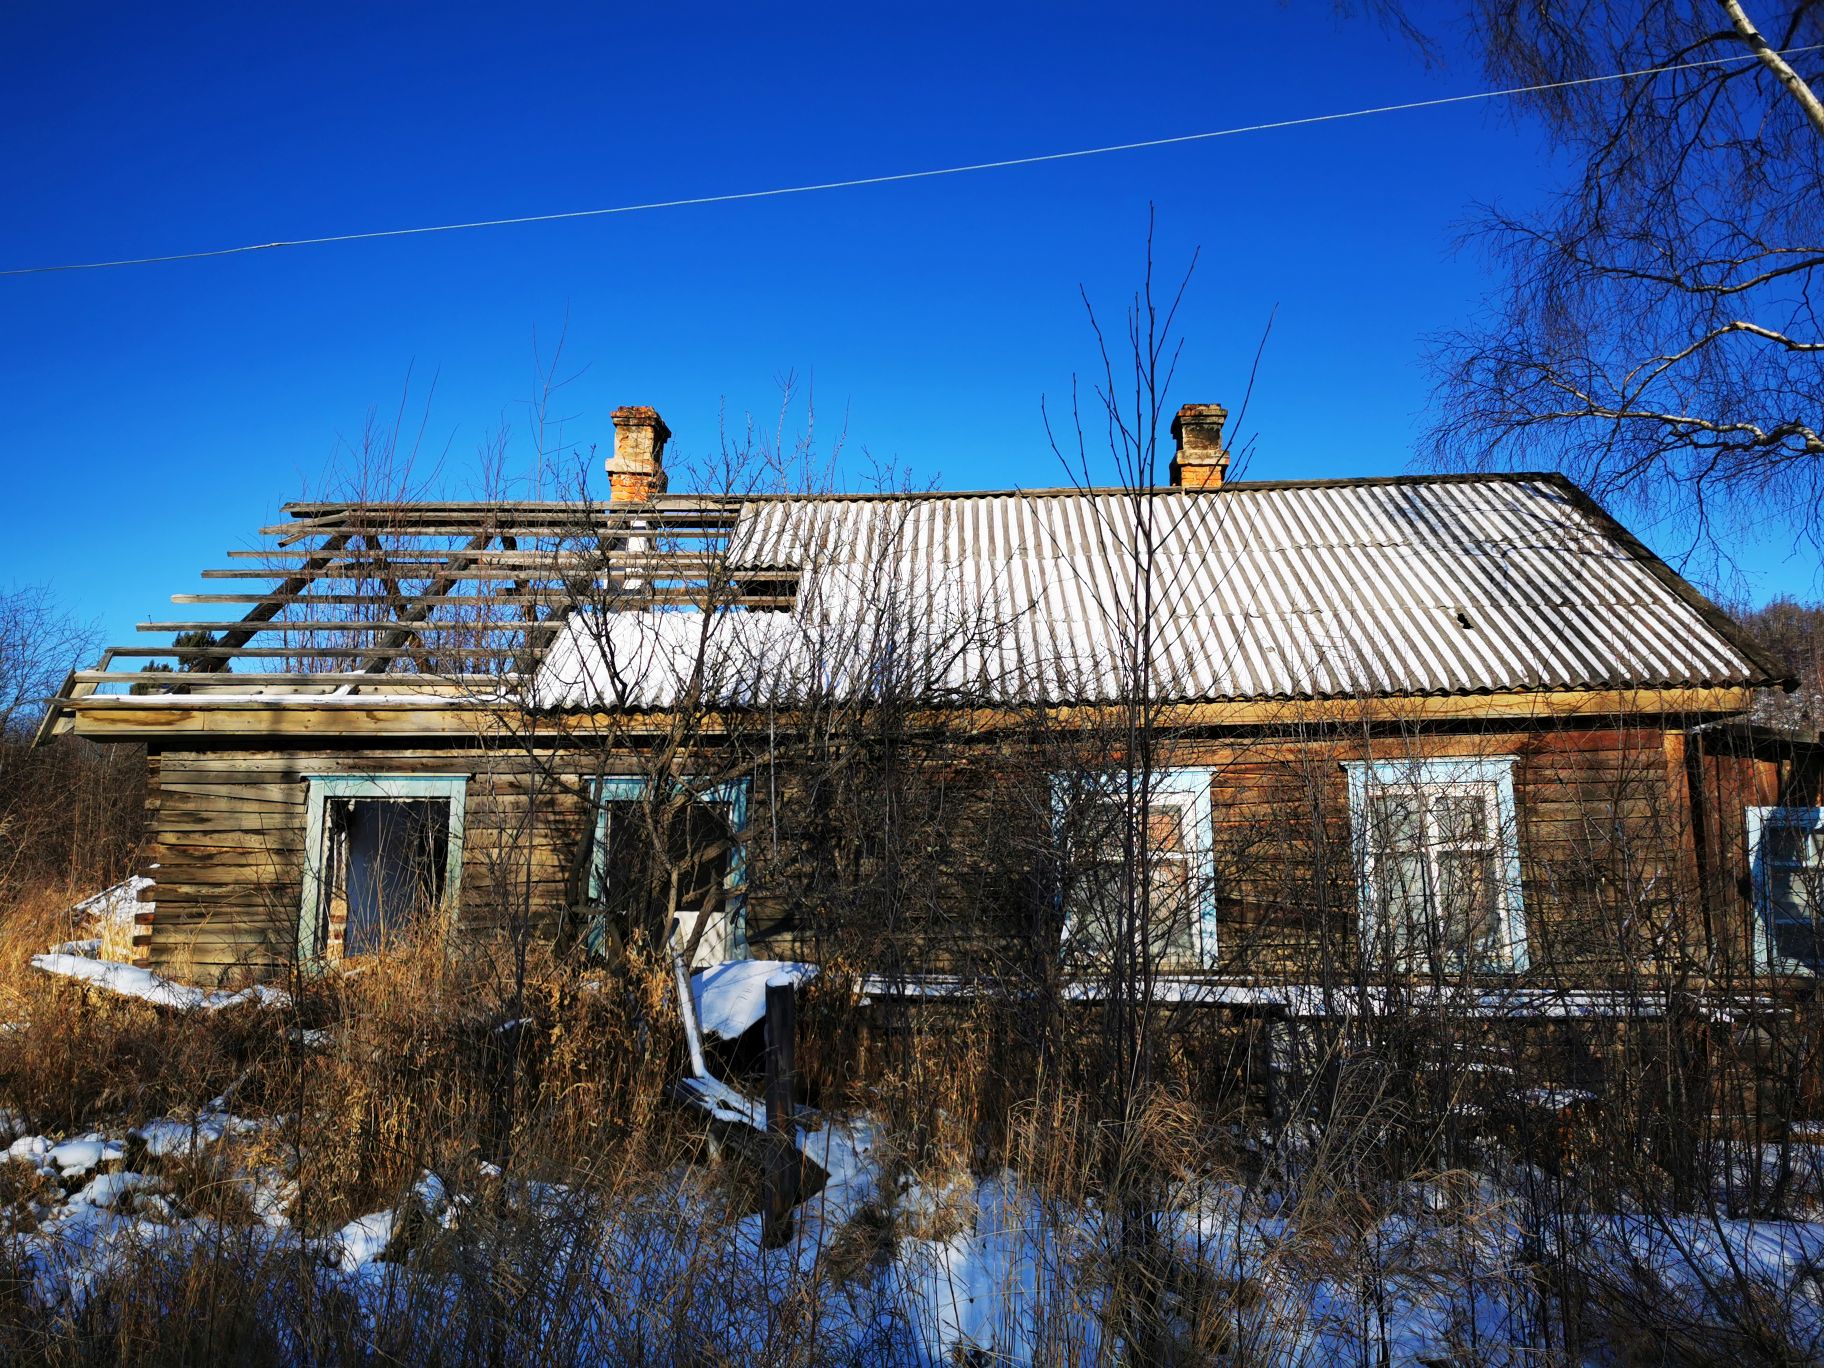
x=859, y=181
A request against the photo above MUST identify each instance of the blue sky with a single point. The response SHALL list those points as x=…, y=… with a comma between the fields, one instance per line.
x=155, y=416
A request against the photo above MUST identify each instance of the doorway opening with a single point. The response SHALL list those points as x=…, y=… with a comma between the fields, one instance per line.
x=388, y=860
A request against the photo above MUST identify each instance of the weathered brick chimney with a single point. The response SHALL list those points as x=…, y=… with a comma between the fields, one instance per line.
x=1201, y=461
x=636, y=471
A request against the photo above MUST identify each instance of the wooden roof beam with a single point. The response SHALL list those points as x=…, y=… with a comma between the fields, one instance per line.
x=262, y=612
x=356, y=600
x=445, y=526
x=384, y=656
x=500, y=509
x=352, y=625
x=436, y=555
x=302, y=652
x=329, y=679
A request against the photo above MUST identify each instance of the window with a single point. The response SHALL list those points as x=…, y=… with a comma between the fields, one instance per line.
x=382, y=852
x=1439, y=864
x=682, y=862
x=1176, y=903
x=1786, y=848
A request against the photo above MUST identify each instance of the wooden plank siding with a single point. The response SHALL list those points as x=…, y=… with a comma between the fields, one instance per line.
x=228, y=833
x=1599, y=837
x=1605, y=830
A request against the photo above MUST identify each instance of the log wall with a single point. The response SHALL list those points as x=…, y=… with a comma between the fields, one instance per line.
x=228, y=831
x=1605, y=817
x=1603, y=835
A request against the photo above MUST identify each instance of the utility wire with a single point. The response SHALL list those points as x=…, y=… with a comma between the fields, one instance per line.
x=1034, y=160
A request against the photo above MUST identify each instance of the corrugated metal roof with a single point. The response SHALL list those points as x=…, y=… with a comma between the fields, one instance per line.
x=1329, y=589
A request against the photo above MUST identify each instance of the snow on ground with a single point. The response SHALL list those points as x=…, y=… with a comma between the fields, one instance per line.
x=170, y=1136
x=1697, y=1257
x=731, y=998
x=975, y=1269
x=129, y=981
x=84, y=1153
x=363, y=1240
x=109, y=1188
x=894, y=1270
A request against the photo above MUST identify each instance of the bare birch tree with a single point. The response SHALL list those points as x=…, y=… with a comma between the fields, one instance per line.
x=1655, y=332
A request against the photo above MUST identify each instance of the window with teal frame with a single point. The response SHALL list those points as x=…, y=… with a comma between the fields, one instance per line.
x=1786, y=855
x=1438, y=864
x=1091, y=820
x=374, y=843
x=622, y=837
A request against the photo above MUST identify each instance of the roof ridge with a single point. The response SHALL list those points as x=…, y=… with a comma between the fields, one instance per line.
x=1228, y=487
x=682, y=497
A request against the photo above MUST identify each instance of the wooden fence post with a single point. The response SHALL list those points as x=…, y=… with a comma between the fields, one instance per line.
x=780, y=1194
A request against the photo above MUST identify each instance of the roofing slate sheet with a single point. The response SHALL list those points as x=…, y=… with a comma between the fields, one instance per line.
x=1319, y=590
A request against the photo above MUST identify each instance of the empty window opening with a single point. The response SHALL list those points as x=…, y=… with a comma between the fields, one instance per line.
x=672, y=868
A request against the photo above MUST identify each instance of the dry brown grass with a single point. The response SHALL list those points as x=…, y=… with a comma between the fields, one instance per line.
x=443, y=1057
x=437, y=1061
x=417, y=1060
x=35, y=919
x=80, y=1057
x=24, y=1190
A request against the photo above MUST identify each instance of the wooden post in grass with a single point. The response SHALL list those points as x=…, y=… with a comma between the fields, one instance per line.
x=780, y=1193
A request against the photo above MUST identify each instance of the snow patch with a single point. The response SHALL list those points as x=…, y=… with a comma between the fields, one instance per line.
x=168, y=1136
x=85, y=1152
x=30, y=1149
x=731, y=998
x=128, y=981
x=362, y=1241
x=109, y=1188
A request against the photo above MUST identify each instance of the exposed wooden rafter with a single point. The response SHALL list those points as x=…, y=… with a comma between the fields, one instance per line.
x=420, y=596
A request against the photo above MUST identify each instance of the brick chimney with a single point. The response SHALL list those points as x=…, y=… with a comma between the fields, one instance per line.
x=1201, y=461
x=636, y=471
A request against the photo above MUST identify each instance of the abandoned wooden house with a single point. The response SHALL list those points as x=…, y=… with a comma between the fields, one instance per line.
x=1461, y=726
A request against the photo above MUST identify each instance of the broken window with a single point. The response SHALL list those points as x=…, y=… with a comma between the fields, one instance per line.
x=672, y=864
x=383, y=853
x=1786, y=847
x=1440, y=869
x=1138, y=871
